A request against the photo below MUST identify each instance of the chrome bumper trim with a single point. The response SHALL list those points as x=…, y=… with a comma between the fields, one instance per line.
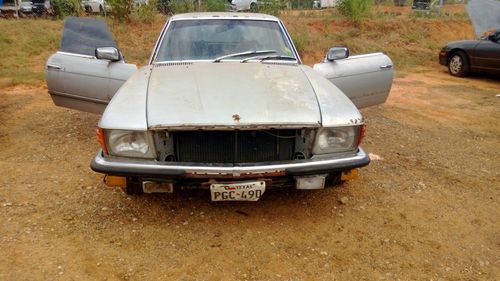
x=152, y=168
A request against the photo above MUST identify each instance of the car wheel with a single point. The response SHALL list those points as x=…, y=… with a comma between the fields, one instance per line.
x=458, y=64
x=133, y=187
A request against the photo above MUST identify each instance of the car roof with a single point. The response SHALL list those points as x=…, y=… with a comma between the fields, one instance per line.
x=224, y=15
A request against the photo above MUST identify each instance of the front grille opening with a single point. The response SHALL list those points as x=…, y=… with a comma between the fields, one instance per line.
x=234, y=146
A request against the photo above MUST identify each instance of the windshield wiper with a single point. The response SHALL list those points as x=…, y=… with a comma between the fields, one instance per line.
x=273, y=57
x=244, y=54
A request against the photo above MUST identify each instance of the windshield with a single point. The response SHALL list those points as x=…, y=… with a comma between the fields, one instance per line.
x=212, y=39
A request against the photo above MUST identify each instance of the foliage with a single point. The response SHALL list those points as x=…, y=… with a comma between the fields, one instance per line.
x=213, y=6
x=355, y=10
x=271, y=7
x=63, y=8
x=25, y=46
x=185, y=6
x=182, y=6
x=301, y=4
x=164, y=7
x=121, y=9
x=146, y=12
x=300, y=39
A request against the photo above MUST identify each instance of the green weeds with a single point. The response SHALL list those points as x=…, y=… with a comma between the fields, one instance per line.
x=26, y=45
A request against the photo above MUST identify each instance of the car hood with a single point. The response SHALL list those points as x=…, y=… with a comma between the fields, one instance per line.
x=230, y=95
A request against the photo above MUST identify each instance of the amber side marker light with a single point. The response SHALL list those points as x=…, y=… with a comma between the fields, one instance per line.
x=100, y=139
x=362, y=134
x=114, y=181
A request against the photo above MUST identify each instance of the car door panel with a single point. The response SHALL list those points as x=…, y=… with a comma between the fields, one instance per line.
x=75, y=78
x=87, y=80
x=486, y=56
x=365, y=79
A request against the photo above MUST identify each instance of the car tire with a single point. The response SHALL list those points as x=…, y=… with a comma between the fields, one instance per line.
x=133, y=187
x=458, y=64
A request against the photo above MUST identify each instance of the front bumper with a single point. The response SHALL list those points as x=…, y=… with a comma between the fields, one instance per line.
x=118, y=166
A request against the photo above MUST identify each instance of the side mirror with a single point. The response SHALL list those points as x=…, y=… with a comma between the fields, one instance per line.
x=337, y=53
x=108, y=53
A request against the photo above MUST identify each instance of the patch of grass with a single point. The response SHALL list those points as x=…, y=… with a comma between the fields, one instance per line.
x=407, y=40
x=146, y=12
x=213, y=6
x=26, y=45
x=301, y=39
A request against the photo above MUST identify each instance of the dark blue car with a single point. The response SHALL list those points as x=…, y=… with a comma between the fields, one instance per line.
x=463, y=57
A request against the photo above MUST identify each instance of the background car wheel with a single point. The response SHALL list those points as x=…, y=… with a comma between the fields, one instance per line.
x=134, y=187
x=458, y=64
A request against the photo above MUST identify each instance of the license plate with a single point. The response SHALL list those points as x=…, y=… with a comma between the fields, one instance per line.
x=241, y=191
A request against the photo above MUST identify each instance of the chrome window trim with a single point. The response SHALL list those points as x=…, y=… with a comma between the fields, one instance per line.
x=76, y=55
x=167, y=25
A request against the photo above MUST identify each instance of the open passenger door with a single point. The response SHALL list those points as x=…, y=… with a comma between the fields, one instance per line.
x=75, y=77
x=365, y=79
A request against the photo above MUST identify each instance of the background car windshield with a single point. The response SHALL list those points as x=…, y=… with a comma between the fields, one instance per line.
x=213, y=38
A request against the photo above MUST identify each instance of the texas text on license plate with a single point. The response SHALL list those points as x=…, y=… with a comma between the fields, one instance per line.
x=241, y=191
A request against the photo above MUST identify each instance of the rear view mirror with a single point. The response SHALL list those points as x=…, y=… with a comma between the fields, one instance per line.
x=337, y=53
x=108, y=53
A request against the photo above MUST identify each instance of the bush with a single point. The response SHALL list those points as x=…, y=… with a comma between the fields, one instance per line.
x=271, y=7
x=121, y=9
x=182, y=6
x=146, y=11
x=186, y=6
x=213, y=6
x=301, y=40
x=63, y=8
x=355, y=10
x=164, y=7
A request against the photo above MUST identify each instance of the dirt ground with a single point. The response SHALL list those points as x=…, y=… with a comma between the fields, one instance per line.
x=426, y=208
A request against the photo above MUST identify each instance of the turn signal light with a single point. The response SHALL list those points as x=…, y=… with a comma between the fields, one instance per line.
x=100, y=139
x=362, y=133
x=114, y=181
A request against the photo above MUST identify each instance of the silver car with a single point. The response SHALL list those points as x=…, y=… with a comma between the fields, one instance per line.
x=224, y=104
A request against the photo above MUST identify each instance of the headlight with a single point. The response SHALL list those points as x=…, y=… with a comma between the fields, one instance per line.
x=130, y=143
x=337, y=139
